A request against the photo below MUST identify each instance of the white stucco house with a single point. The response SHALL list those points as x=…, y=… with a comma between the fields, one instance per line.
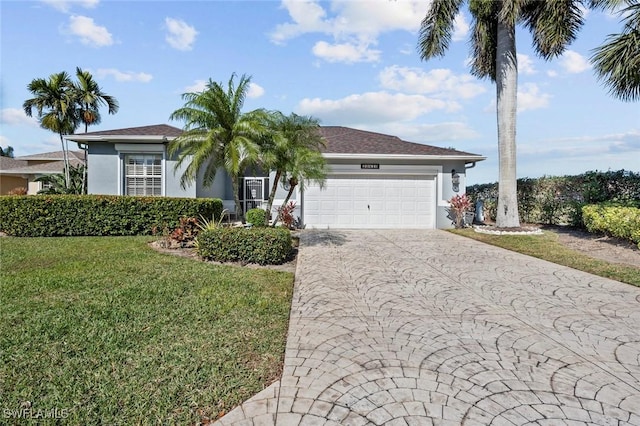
x=374, y=180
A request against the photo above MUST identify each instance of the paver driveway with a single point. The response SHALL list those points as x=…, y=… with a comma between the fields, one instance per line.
x=425, y=327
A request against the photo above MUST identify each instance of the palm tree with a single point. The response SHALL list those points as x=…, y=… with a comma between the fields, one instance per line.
x=56, y=107
x=218, y=134
x=56, y=184
x=90, y=98
x=6, y=152
x=282, y=149
x=617, y=62
x=553, y=24
x=305, y=166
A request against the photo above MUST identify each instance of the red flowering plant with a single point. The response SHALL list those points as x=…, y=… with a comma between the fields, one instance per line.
x=458, y=206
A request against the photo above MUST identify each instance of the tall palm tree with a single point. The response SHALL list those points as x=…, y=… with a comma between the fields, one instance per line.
x=90, y=98
x=56, y=107
x=553, y=25
x=617, y=62
x=281, y=149
x=218, y=134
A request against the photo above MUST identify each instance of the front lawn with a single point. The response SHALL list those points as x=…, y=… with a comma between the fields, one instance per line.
x=547, y=247
x=112, y=332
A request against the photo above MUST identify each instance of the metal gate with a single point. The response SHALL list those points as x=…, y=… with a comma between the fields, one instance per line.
x=253, y=193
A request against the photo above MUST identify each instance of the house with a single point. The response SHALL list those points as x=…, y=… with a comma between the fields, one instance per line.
x=22, y=172
x=374, y=180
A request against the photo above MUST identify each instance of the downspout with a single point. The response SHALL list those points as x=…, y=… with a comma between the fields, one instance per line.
x=467, y=167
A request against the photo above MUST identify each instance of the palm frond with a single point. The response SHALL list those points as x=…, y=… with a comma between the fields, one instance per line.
x=436, y=28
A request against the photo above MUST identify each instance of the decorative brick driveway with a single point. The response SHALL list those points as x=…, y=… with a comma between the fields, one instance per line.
x=425, y=327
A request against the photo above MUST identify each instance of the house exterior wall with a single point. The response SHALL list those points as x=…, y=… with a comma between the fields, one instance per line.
x=7, y=183
x=103, y=169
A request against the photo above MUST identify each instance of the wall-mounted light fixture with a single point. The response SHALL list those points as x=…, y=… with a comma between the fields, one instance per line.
x=455, y=181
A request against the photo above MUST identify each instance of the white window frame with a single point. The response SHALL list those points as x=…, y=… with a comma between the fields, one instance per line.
x=125, y=149
x=145, y=175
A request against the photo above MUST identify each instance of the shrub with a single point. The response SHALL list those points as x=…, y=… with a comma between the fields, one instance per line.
x=257, y=217
x=285, y=215
x=266, y=246
x=66, y=215
x=459, y=205
x=614, y=220
x=18, y=191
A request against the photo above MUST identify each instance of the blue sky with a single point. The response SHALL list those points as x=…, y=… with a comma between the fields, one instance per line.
x=348, y=63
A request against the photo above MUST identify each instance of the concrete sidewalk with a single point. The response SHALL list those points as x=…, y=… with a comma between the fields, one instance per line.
x=425, y=327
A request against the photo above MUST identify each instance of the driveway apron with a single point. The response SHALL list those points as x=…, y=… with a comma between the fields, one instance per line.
x=425, y=327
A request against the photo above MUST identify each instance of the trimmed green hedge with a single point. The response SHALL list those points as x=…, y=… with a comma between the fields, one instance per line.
x=257, y=217
x=617, y=221
x=66, y=215
x=266, y=246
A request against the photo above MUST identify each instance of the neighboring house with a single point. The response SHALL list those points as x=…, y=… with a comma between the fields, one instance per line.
x=21, y=172
x=374, y=180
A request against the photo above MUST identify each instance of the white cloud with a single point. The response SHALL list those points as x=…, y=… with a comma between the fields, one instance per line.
x=17, y=117
x=124, y=76
x=530, y=97
x=89, y=32
x=66, y=5
x=373, y=107
x=460, y=28
x=345, y=52
x=525, y=64
x=197, y=86
x=181, y=35
x=442, y=82
x=552, y=73
x=573, y=62
x=354, y=25
x=255, y=91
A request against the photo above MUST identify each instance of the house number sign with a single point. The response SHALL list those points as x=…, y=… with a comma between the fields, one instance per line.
x=369, y=166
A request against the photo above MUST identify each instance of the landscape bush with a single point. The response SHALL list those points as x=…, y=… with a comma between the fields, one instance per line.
x=614, y=220
x=69, y=215
x=263, y=245
x=558, y=200
x=257, y=217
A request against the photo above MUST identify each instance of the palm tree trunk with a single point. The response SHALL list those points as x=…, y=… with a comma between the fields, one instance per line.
x=272, y=196
x=506, y=90
x=65, y=160
x=236, y=197
x=286, y=200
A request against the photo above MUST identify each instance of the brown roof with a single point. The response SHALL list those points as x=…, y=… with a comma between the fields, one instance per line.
x=11, y=163
x=55, y=155
x=345, y=140
x=44, y=168
x=154, y=130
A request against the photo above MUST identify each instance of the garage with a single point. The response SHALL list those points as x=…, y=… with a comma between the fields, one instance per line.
x=372, y=201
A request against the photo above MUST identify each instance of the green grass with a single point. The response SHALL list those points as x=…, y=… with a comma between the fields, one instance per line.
x=548, y=247
x=116, y=333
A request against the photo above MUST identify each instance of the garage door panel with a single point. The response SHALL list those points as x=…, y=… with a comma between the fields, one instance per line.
x=366, y=202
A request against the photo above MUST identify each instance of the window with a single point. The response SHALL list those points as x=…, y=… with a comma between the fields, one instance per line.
x=143, y=174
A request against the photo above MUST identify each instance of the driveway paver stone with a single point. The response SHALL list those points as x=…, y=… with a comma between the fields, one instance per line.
x=417, y=327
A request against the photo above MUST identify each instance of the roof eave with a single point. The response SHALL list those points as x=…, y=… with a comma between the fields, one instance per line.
x=119, y=138
x=334, y=156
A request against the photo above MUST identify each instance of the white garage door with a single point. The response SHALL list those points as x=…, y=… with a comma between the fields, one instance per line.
x=371, y=202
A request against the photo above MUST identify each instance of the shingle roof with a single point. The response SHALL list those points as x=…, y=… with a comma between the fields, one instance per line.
x=11, y=163
x=44, y=168
x=55, y=155
x=154, y=130
x=345, y=140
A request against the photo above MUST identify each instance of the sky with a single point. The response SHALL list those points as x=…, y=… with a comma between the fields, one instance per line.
x=346, y=62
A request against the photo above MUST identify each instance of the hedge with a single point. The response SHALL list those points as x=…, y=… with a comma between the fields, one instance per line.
x=265, y=246
x=559, y=199
x=617, y=221
x=257, y=217
x=67, y=215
